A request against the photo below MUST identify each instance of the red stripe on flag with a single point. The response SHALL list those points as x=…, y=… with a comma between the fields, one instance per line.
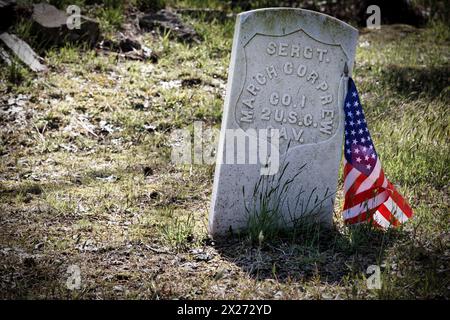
x=352, y=200
x=380, y=179
x=362, y=217
x=347, y=168
x=358, y=219
x=388, y=215
x=400, y=201
x=356, y=184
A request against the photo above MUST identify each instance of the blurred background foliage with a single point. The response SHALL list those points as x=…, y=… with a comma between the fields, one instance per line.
x=415, y=12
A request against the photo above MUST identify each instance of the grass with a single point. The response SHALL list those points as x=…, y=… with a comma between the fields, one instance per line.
x=111, y=202
x=178, y=233
x=268, y=198
x=15, y=73
x=111, y=17
x=268, y=201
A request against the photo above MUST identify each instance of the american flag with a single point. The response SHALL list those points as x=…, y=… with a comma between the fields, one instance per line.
x=369, y=196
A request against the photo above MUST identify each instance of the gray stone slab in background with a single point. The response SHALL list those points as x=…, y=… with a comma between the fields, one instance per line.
x=286, y=73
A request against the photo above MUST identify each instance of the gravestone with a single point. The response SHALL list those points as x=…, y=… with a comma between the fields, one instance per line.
x=286, y=76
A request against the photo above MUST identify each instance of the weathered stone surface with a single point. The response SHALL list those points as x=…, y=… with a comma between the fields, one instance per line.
x=393, y=12
x=23, y=51
x=286, y=73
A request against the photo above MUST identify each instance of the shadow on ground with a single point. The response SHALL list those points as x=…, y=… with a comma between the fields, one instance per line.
x=328, y=255
x=414, y=82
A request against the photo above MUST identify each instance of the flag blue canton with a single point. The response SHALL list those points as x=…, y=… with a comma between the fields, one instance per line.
x=359, y=149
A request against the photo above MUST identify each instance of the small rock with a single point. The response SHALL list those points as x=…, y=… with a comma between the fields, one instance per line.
x=149, y=127
x=150, y=54
x=219, y=274
x=111, y=178
x=203, y=257
x=170, y=84
x=118, y=288
x=278, y=295
x=106, y=127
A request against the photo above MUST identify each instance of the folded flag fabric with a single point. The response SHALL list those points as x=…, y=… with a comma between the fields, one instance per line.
x=369, y=196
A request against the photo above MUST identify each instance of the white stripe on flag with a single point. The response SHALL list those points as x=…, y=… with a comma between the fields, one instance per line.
x=350, y=179
x=385, y=182
x=368, y=183
x=381, y=220
x=395, y=210
x=364, y=206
